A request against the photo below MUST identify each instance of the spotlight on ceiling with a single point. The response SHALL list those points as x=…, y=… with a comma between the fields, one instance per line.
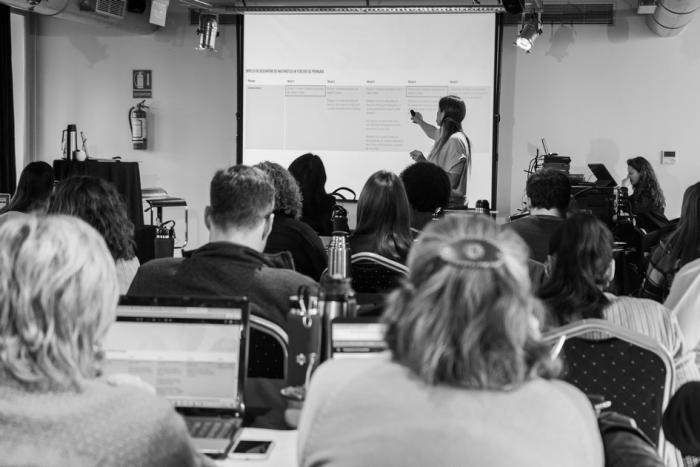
x=207, y=31
x=530, y=30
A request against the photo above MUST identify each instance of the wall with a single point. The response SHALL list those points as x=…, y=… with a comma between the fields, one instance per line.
x=84, y=77
x=18, y=26
x=602, y=94
x=596, y=93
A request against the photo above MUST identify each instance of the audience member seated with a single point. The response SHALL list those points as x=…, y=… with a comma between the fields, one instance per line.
x=383, y=224
x=467, y=382
x=548, y=194
x=239, y=220
x=97, y=202
x=428, y=188
x=684, y=302
x=678, y=249
x=580, y=267
x=33, y=190
x=288, y=232
x=58, y=297
x=682, y=419
x=317, y=205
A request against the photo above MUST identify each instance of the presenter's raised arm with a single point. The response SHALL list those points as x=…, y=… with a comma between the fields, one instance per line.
x=428, y=129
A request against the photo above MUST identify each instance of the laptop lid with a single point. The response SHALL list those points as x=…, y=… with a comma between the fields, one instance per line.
x=357, y=337
x=602, y=175
x=193, y=351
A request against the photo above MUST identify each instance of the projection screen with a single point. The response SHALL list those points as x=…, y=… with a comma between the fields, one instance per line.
x=342, y=86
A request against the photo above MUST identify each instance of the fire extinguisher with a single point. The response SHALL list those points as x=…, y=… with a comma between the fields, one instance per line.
x=138, y=125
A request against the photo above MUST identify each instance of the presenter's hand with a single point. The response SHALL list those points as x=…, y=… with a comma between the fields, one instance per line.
x=417, y=156
x=417, y=117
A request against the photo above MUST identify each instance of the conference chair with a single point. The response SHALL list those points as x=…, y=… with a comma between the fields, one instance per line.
x=632, y=371
x=267, y=356
x=373, y=273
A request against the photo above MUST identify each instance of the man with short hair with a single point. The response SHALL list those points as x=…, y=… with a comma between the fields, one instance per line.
x=548, y=195
x=239, y=220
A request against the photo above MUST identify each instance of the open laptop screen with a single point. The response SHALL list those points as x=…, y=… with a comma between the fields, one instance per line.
x=190, y=354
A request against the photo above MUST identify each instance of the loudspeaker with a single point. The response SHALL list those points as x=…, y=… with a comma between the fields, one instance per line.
x=514, y=7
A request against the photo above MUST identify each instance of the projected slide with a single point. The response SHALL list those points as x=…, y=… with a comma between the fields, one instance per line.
x=342, y=87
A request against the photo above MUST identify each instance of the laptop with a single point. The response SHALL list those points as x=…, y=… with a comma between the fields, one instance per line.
x=194, y=352
x=602, y=175
x=357, y=337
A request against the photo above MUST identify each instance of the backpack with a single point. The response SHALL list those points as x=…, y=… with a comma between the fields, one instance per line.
x=624, y=444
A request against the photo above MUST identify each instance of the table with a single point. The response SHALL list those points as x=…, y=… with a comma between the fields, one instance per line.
x=125, y=176
x=283, y=454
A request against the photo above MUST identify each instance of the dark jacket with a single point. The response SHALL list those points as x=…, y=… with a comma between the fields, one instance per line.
x=650, y=216
x=225, y=269
x=536, y=232
x=289, y=234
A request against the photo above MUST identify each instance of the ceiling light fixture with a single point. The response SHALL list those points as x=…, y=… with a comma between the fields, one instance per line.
x=208, y=31
x=530, y=30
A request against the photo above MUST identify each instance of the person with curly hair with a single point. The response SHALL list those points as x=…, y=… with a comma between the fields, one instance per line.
x=647, y=199
x=468, y=379
x=97, y=202
x=289, y=233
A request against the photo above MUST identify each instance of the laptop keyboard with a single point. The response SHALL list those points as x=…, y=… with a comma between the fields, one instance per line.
x=206, y=427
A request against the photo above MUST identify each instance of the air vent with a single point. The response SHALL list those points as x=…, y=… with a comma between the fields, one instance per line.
x=111, y=8
x=586, y=13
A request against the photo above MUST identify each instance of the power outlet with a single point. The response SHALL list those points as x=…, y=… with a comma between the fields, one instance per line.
x=668, y=157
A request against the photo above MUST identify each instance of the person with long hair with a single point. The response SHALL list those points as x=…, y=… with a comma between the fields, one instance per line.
x=452, y=149
x=383, y=218
x=97, y=202
x=33, y=189
x=58, y=297
x=467, y=381
x=317, y=205
x=675, y=251
x=288, y=232
x=580, y=267
x=647, y=200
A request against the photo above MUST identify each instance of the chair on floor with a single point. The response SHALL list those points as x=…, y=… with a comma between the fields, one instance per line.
x=267, y=357
x=373, y=273
x=632, y=371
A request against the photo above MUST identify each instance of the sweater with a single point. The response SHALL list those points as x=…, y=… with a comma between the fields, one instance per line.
x=375, y=412
x=101, y=425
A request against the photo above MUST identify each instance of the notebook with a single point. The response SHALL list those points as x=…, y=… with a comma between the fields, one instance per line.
x=602, y=175
x=194, y=352
x=356, y=337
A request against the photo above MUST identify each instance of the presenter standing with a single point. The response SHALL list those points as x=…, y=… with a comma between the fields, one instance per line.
x=452, y=148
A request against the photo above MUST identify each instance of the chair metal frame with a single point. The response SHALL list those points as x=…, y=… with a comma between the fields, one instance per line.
x=276, y=332
x=379, y=259
x=586, y=326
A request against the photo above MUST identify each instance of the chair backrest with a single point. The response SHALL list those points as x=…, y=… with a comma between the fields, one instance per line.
x=373, y=273
x=267, y=355
x=634, y=372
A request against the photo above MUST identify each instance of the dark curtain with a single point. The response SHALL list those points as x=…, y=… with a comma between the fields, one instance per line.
x=7, y=114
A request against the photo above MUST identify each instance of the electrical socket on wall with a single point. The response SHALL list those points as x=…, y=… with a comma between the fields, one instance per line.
x=668, y=157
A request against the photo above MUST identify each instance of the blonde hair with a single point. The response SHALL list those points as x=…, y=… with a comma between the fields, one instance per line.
x=463, y=321
x=58, y=296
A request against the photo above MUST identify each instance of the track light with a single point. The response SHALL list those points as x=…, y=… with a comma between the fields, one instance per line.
x=530, y=30
x=208, y=31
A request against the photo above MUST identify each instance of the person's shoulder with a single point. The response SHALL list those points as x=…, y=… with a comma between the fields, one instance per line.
x=285, y=278
x=160, y=264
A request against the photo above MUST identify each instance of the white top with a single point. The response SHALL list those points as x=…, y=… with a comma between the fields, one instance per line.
x=374, y=412
x=454, y=158
x=684, y=302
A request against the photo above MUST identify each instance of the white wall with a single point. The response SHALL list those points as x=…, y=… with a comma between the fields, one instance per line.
x=84, y=77
x=602, y=94
x=596, y=93
x=18, y=26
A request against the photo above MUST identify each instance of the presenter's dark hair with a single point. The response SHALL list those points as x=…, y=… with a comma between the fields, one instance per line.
x=97, y=202
x=648, y=185
x=684, y=242
x=427, y=186
x=33, y=188
x=548, y=189
x=580, y=255
x=454, y=111
x=383, y=211
x=240, y=197
x=310, y=173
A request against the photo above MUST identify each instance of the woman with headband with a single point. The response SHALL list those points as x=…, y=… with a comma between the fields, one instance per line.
x=467, y=380
x=452, y=150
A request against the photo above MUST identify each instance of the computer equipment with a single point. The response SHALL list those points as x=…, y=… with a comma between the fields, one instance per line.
x=357, y=337
x=194, y=352
x=602, y=175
